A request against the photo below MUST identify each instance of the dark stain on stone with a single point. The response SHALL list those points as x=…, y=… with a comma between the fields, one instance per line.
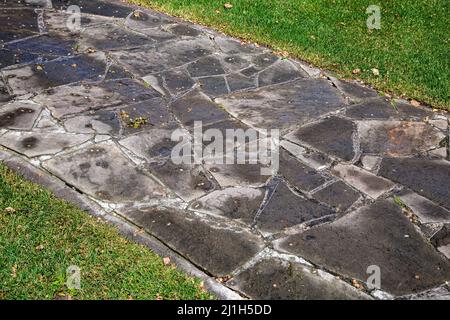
x=10, y=118
x=30, y=142
x=102, y=163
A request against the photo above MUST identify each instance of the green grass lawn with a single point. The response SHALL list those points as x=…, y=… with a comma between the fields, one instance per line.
x=40, y=236
x=411, y=50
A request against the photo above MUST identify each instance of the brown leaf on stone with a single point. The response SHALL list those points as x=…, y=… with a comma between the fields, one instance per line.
x=415, y=103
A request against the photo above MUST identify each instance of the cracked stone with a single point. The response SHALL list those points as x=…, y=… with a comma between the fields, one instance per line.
x=285, y=107
x=213, y=86
x=362, y=180
x=397, y=138
x=59, y=72
x=276, y=279
x=111, y=37
x=429, y=178
x=19, y=115
x=338, y=195
x=33, y=144
x=100, y=122
x=196, y=106
x=349, y=245
x=17, y=24
x=213, y=245
x=286, y=209
x=103, y=172
x=427, y=211
x=230, y=175
x=382, y=109
x=207, y=66
x=298, y=174
x=313, y=159
x=355, y=91
x=77, y=98
x=43, y=48
x=281, y=72
x=333, y=136
x=237, y=203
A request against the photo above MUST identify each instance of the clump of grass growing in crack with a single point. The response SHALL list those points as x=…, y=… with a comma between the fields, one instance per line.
x=41, y=236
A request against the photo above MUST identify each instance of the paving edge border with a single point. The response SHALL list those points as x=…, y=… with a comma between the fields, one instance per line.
x=131, y=232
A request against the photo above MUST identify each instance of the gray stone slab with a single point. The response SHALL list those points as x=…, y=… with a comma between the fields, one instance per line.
x=34, y=78
x=103, y=172
x=368, y=183
x=276, y=279
x=111, y=37
x=33, y=144
x=78, y=98
x=284, y=106
x=207, y=66
x=99, y=122
x=238, y=203
x=354, y=90
x=19, y=115
x=177, y=81
x=286, y=209
x=17, y=24
x=214, y=86
x=427, y=211
x=332, y=135
x=397, y=138
x=238, y=82
x=210, y=244
x=283, y=71
x=430, y=178
x=231, y=175
x=338, y=195
x=376, y=235
x=298, y=174
x=141, y=20
x=384, y=109
x=184, y=30
x=196, y=106
x=313, y=159
x=101, y=8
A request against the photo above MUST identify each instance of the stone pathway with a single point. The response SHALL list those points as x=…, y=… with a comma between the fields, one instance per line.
x=363, y=181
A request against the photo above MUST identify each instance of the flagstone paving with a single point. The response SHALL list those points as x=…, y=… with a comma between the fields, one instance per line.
x=363, y=180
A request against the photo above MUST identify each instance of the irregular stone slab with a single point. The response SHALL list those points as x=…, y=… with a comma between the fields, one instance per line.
x=276, y=279
x=33, y=144
x=103, y=172
x=286, y=209
x=267, y=59
x=140, y=20
x=22, y=3
x=100, y=8
x=33, y=78
x=177, y=81
x=17, y=24
x=111, y=37
x=19, y=115
x=298, y=174
x=207, y=66
x=370, y=163
x=210, y=244
x=283, y=71
x=43, y=48
x=99, y=122
x=376, y=235
x=184, y=30
x=238, y=203
x=230, y=175
x=355, y=91
x=196, y=106
x=232, y=46
x=338, y=195
x=237, y=82
x=382, y=109
x=332, y=136
x=313, y=159
x=426, y=210
x=214, y=86
x=284, y=106
x=430, y=178
x=362, y=180
x=234, y=62
x=397, y=138
x=77, y=98
x=186, y=180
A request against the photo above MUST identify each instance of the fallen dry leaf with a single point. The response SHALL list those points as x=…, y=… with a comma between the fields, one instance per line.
x=356, y=71
x=10, y=210
x=228, y=5
x=375, y=72
x=166, y=260
x=415, y=103
x=40, y=247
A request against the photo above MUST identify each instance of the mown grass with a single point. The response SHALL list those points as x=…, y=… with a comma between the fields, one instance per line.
x=41, y=236
x=411, y=50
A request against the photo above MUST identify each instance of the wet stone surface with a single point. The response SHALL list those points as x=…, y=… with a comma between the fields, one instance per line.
x=108, y=111
x=374, y=236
